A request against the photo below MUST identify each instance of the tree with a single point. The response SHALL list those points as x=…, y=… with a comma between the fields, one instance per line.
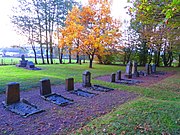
x=46, y=16
x=156, y=23
x=91, y=29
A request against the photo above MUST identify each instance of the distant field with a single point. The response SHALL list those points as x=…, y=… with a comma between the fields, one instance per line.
x=13, y=61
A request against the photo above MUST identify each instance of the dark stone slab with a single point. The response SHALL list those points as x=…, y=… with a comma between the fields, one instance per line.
x=45, y=87
x=23, y=108
x=12, y=93
x=58, y=99
x=83, y=93
x=128, y=81
x=101, y=88
x=86, y=79
x=30, y=64
x=69, y=86
x=118, y=75
x=113, y=77
x=147, y=69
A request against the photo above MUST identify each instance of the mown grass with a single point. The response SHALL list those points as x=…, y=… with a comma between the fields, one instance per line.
x=156, y=111
x=56, y=73
x=142, y=116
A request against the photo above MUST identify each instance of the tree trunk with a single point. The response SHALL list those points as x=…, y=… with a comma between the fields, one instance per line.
x=77, y=57
x=69, y=55
x=91, y=57
x=35, y=57
x=158, y=58
x=179, y=61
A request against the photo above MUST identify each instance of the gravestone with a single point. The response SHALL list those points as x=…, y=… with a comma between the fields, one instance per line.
x=13, y=103
x=12, y=93
x=45, y=87
x=113, y=77
x=69, y=86
x=147, y=69
x=30, y=65
x=119, y=75
x=153, y=68
x=128, y=73
x=150, y=69
x=86, y=79
x=134, y=69
x=22, y=62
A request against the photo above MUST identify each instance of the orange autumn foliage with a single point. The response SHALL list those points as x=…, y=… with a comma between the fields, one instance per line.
x=91, y=30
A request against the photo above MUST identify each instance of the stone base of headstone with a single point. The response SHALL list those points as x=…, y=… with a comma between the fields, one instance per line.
x=136, y=74
x=23, y=108
x=58, y=99
x=128, y=76
x=101, y=88
x=83, y=93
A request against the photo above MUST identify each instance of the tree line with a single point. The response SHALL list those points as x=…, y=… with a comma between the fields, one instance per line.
x=153, y=34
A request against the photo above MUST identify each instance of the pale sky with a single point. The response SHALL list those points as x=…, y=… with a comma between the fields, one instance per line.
x=9, y=37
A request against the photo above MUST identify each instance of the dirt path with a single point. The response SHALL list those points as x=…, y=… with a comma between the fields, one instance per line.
x=57, y=119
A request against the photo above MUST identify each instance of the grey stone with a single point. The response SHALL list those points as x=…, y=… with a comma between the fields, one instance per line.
x=150, y=69
x=45, y=87
x=119, y=75
x=128, y=73
x=134, y=69
x=86, y=79
x=153, y=68
x=12, y=93
x=30, y=64
x=113, y=77
x=69, y=86
x=147, y=69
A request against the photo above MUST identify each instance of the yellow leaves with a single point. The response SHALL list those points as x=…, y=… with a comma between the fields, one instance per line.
x=90, y=30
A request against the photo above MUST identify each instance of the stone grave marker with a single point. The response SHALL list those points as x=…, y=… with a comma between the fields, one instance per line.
x=14, y=104
x=153, y=68
x=45, y=87
x=113, y=77
x=147, y=69
x=134, y=69
x=12, y=93
x=150, y=69
x=86, y=79
x=128, y=73
x=119, y=75
x=30, y=65
x=69, y=86
x=22, y=62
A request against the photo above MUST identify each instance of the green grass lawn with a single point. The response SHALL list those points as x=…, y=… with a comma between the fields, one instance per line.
x=13, y=61
x=156, y=111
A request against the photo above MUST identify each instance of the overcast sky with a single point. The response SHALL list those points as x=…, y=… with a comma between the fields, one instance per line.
x=8, y=37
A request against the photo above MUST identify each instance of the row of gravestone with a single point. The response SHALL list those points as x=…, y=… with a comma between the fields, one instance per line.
x=13, y=90
x=24, y=108
x=131, y=69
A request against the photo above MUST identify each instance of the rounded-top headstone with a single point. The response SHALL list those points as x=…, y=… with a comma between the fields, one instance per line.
x=86, y=79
